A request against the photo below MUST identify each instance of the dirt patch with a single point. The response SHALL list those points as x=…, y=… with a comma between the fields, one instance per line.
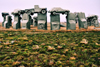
x=62, y=29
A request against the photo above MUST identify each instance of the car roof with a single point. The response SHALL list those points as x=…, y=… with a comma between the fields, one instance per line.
x=58, y=9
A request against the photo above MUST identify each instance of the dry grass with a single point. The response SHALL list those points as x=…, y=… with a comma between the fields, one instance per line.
x=62, y=29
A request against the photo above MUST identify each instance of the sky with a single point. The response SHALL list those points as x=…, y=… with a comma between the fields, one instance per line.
x=89, y=7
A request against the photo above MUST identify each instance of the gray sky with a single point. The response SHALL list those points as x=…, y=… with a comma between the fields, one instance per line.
x=88, y=6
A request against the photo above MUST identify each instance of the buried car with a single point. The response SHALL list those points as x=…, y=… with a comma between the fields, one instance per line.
x=4, y=14
x=17, y=19
x=26, y=19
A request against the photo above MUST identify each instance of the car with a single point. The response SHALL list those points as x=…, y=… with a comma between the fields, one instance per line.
x=21, y=11
x=5, y=14
x=30, y=11
x=16, y=11
x=58, y=10
x=93, y=20
x=37, y=9
x=92, y=16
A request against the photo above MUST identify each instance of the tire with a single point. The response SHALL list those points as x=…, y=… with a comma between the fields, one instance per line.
x=43, y=11
x=22, y=12
x=32, y=13
x=67, y=17
x=19, y=12
x=28, y=11
x=54, y=12
x=65, y=12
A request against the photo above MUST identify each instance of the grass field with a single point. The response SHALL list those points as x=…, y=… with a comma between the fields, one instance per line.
x=56, y=49
x=47, y=48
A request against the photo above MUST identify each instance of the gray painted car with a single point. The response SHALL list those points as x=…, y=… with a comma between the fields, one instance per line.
x=58, y=10
x=93, y=20
x=17, y=18
x=26, y=19
x=8, y=22
x=35, y=21
x=37, y=9
x=71, y=24
x=82, y=20
x=4, y=14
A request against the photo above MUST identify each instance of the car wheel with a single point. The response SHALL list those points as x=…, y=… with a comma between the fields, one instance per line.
x=43, y=11
x=19, y=12
x=22, y=12
x=32, y=13
x=54, y=13
x=65, y=12
x=20, y=18
x=66, y=16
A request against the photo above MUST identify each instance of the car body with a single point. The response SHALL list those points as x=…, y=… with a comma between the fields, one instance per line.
x=58, y=10
x=21, y=11
x=5, y=14
x=16, y=11
x=92, y=16
x=93, y=20
x=37, y=9
x=30, y=11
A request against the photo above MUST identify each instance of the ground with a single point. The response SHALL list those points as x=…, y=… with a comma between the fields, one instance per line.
x=90, y=28
x=46, y=48
x=57, y=49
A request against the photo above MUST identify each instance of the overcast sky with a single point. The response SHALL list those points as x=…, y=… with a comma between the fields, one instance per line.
x=90, y=7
